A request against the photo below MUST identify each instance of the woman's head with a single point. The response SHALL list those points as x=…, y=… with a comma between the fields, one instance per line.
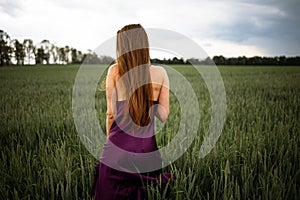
x=132, y=46
x=133, y=61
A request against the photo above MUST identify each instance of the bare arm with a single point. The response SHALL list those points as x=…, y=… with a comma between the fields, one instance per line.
x=163, y=98
x=110, y=98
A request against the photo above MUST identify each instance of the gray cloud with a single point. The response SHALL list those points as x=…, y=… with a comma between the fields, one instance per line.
x=270, y=25
x=10, y=7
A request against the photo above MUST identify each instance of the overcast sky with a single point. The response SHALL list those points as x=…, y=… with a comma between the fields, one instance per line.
x=220, y=27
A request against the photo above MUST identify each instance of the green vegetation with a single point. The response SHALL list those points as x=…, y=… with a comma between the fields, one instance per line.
x=256, y=157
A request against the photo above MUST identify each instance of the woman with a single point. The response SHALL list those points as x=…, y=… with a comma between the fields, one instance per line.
x=135, y=93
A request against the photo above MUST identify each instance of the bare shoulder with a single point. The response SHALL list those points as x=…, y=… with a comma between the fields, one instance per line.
x=158, y=70
x=156, y=67
x=113, y=70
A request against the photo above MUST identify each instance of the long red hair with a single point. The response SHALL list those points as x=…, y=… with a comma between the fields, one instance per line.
x=133, y=52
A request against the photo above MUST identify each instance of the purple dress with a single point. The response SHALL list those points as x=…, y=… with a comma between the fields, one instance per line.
x=129, y=161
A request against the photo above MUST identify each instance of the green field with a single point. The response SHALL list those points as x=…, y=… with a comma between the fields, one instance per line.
x=256, y=157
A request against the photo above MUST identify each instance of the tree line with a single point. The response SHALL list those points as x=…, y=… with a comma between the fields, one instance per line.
x=241, y=60
x=14, y=52
x=257, y=60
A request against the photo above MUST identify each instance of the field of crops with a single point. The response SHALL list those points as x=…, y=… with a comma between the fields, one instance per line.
x=256, y=157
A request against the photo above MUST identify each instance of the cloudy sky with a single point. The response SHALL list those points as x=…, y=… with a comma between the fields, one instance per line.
x=220, y=27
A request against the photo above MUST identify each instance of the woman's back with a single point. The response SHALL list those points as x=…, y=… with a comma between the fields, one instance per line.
x=160, y=88
x=157, y=74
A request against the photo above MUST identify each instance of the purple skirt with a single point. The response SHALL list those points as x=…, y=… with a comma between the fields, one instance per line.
x=129, y=162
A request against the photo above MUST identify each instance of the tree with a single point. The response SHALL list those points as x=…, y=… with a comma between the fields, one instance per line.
x=54, y=53
x=219, y=60
x=106, y=60
x=208, y=61
x=19, y=52
x=28, y=50
x=62, y=55
x=74, y=56
x=5, y=49
x=91, y=58
x=67, y=52
x=46, y=46
x=79, y=56
x=39, y=56
x=282, y=60
x=175, y=60
x=193, y=61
